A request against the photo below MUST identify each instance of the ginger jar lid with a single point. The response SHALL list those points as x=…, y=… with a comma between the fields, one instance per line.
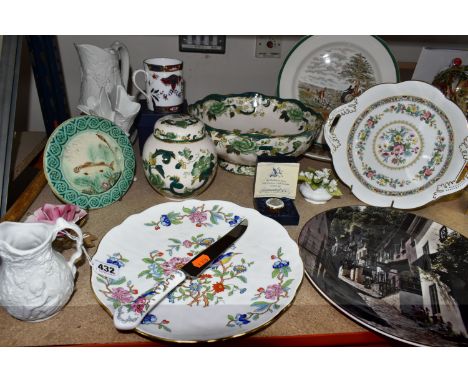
x=179, y=128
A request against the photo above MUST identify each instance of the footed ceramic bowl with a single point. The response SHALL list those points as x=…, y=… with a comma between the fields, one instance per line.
x=243, y=126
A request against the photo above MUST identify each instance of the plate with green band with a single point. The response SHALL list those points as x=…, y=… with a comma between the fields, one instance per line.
x=325, y=72
x=89, y=162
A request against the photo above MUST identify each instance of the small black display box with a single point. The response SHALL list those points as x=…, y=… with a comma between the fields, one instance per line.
x=288, y=215
x=145, y=121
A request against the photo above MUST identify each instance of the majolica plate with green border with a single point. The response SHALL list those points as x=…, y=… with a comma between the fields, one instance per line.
x=89, y=162
x=245, y=289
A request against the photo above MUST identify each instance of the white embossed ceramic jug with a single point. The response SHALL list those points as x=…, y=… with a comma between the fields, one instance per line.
x=35, y=280
x=100, y=69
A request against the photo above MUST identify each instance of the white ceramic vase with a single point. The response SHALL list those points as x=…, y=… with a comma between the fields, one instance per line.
x=179, y=158
x=318, y=196
x=35, y=280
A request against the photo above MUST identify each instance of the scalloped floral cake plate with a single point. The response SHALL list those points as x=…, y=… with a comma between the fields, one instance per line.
x=89, y=162
x=401, y=145
x=242, y=291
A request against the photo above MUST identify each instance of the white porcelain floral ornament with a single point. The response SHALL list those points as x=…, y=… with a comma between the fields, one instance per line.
x=317, y=187
x=116, y=106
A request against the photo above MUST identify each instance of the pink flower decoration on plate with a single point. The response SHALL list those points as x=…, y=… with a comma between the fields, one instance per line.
x=427, y=171
x=273, y=291
x=198, y=217
x=174, y=264
x=398, y=149
x=427, y=115
x=138, y=305
x=122, y=295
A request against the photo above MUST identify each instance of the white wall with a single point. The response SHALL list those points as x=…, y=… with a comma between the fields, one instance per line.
x=233, y=72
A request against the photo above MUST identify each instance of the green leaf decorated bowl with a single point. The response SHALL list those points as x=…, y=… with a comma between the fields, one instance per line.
x=243, y=126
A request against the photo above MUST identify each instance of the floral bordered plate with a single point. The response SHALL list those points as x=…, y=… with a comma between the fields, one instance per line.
x=401, y=145
x=89, y=162
x=244, y=290
x=411, y=286
x=326, y=71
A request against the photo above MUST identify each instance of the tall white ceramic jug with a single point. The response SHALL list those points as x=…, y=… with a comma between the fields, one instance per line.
x=100, y=69
x=35, y=280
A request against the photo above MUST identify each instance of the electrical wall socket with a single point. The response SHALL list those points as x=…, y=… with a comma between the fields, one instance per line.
x=268, y=46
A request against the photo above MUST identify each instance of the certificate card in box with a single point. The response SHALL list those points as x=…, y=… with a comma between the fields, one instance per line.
x=275, y=188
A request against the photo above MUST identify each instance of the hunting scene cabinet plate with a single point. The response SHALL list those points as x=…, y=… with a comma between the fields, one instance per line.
x=324, y=72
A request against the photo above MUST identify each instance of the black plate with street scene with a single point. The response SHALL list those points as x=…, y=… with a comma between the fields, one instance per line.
x=394, y=272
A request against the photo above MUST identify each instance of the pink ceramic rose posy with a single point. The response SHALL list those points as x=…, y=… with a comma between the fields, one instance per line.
x=51, y=212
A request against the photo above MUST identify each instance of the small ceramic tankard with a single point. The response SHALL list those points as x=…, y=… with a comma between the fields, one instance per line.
x=35, y=280
x=164, y=90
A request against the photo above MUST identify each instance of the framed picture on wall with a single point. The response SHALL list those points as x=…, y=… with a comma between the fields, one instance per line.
x=202, y=44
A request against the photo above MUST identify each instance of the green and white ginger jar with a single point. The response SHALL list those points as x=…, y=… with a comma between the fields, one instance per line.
x=179, y=158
